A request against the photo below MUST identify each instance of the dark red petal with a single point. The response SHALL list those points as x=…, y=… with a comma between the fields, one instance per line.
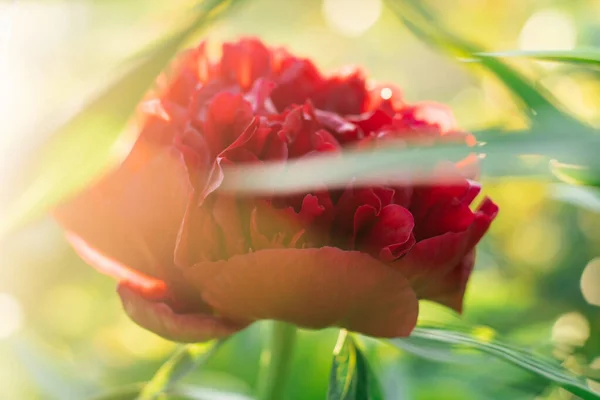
x=228, y=117
x=364, y=216
x=344, y=94
x=372, y=121
x=159, y=318
x=397, y=250
x=313, y=288
x=297, y=80
x=343, y=130
x=448, y=217
x=392, y=226
x=451, y=290
x=439, y=267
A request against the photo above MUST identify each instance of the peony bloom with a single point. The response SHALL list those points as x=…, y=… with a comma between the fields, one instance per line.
x=195, y=262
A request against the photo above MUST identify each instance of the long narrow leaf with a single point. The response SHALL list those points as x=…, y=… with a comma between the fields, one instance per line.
x=351, y=378
x=83, y=147
x=185, y=360
x=503, y=156
x=423, y=23
x=589, y=57
x=182, y=392
x=542, y=367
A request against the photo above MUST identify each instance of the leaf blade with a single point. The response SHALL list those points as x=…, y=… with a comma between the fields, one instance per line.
x=351, y=378
x=576, y=56
x=184, y=360
x=429, y=28
x=544, y=368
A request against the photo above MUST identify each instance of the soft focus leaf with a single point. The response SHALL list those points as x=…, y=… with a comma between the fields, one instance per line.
x=580, y=171
x=127, y=392
x=428, y=27
x=52, y=375
x=83, y=147
x=182, y=392
x=587, y=197
x=185, y=360
x=200, y=393
x=590, y=57
x=542, y=367
x=351, y=377
x=501, y=156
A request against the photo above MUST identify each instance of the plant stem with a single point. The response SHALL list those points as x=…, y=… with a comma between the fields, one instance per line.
x=275, y=361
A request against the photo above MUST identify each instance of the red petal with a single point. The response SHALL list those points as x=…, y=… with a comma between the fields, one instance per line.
x=313, y=288
x=162, y=320
x=297, y=79
x=133, y=214
x=344, y=94
x=228, y=117
x=439, y=267
x=245, y=61
x=392, y=226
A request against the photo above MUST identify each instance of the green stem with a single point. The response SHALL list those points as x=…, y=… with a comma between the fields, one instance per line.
x=275, y=361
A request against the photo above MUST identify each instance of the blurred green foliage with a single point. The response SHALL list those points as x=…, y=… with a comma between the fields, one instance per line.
x=63, y=334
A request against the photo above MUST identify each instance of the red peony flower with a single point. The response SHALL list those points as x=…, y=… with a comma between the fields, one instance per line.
x=195, y=262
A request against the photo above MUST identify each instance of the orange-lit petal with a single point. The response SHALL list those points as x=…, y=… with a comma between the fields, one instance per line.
x=313, y=288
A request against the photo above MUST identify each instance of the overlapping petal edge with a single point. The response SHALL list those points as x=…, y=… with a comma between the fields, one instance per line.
x=195, y=264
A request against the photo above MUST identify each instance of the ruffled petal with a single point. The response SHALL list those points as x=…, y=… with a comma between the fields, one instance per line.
x=160, y=318
x=439, y=267
x=312, y=288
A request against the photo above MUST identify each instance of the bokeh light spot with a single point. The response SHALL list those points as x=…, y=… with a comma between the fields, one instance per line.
x=571, y=329
x=351, y=17
x=386, y=93
x=11, y=315
x=538, y=243
x=590, y=282
x=548, y=30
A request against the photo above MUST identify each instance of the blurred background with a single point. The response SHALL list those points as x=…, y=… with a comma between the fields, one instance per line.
x=63, y=334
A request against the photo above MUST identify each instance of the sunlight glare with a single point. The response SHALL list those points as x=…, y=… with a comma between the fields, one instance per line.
x=351, y=17
x=11, y=315
x=548, y=30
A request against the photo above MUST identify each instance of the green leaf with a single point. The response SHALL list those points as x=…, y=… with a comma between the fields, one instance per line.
x=82, y=148
x=48, y=369
x=503, y=155
x=351, y=378
x=200, y=393
x=580, y=172
x=126, y=392
x=182, y=392
x=425, y=25
x=185, y=360
x=542, y=367
x=589, y=57
x=585, y=197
